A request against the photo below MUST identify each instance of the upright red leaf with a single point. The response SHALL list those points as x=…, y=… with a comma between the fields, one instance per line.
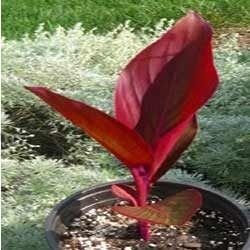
x=169, y=148
x=124, y=143
x=167, y=113
x=174, y=210
x=169, y=80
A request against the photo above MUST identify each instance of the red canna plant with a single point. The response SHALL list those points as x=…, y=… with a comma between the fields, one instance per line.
x=156, y=100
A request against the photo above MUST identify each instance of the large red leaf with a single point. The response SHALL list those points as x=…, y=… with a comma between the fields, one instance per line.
x=169, y=148
x=169, y=80
x=125, y=144
x=174, y=210
x=125, y=192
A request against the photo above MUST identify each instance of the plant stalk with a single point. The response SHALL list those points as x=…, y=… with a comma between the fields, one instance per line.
x=142, y=186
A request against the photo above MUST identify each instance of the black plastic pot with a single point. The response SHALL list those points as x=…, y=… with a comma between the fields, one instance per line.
x=101, y=195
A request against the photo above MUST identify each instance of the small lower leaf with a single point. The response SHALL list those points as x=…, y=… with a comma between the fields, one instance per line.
x=149, y=214
x=125, y=192
x=181, y=206
x=174, y=210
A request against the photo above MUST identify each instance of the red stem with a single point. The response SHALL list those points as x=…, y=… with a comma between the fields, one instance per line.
x=142, y=186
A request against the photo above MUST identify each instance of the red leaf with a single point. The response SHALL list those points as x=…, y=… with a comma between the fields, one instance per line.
x=169, y=148
x=125, y=144
x=174, y=210
x=169, y=80
x=147, y=214
x=181, y=206
x=125, y=192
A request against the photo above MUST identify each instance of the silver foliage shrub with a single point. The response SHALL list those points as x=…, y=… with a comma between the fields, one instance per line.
x=31, y=188
x=221, y=151
x=233, y=95
x=14, y=140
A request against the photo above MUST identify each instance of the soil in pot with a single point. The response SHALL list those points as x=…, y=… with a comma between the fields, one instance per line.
x=102, y=229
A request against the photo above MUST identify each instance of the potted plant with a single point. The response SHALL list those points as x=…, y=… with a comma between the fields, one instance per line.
x=156, y=100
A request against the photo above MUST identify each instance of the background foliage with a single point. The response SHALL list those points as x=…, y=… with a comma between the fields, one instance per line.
x=24, y=16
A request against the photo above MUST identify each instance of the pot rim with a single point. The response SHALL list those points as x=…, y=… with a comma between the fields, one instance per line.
x=50, y=218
